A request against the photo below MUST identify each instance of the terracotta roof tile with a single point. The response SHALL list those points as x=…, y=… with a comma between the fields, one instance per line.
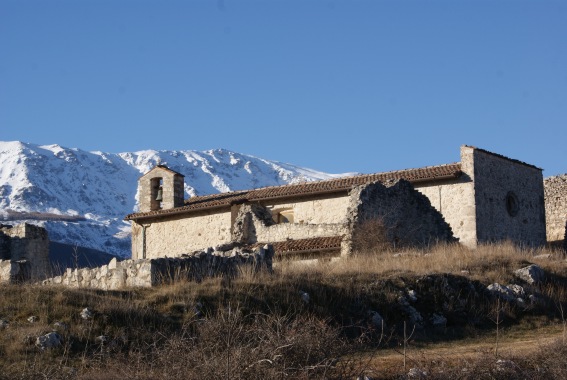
x=305, y=245
x=307, y=188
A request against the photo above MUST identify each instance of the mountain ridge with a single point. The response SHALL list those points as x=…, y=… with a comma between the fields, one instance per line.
x=81, y=197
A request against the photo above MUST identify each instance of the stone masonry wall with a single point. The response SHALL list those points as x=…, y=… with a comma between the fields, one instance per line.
x=197, y=266
x=172, y=189
x=556, y=208
x=177, y=235
x=26, y=242
x=397, y=214
x=14, y=271
x=509, y=199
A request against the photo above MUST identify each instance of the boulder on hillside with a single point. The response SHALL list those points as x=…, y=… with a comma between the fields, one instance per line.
x=532, y=274
x=48, y=341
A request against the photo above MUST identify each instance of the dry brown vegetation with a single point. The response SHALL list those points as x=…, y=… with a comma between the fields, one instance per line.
x=260, y=326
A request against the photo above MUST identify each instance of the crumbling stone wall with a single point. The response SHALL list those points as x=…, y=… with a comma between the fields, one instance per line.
x=15, y=272
x=26, y=242
x=4, y=244
x=227, y=261
x=556, y=208
x=402, y=216
x=254, y=223
x=249, y=217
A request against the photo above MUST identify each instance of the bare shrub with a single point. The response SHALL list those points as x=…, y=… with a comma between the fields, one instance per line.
x=234, y=345
x=371, y=237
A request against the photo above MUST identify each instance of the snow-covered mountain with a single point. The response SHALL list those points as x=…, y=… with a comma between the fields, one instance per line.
x=81, y=197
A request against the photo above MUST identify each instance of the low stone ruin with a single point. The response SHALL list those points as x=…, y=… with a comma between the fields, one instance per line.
x=227, y=262
x=24, y=253
x=15, y=272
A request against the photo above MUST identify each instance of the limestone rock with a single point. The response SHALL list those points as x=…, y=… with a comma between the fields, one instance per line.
x=502, y=291
x=113, y=264
x=86, y=313
x=60, y=326
x=416, y=373
x=412, y=295
x=517, y=290
x=532, y=274
x=48, y=341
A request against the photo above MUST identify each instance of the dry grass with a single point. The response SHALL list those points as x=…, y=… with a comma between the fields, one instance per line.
x=260, y=327
x=488, y=263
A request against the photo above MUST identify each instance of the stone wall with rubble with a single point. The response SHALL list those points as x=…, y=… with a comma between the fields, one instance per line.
x=556, y=208
x=176, y=235
x=26, y=242
x=227, y=261
x=15, y=272
x=509, y=199
x=254, y=223
x=394, y=213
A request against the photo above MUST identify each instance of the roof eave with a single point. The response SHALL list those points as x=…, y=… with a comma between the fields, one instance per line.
x=180, y=211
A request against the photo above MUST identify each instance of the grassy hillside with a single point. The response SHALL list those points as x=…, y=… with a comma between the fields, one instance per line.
x=338, y=320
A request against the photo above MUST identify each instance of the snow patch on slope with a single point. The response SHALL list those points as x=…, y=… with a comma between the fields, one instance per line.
x=93, y=191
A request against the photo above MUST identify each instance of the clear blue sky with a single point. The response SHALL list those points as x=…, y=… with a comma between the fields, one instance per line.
x=337, y=85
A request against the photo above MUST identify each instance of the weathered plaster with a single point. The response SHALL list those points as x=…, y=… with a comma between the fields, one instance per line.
x=177, y=235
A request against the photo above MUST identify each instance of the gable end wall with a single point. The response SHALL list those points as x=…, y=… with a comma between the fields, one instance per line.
x=495, y=177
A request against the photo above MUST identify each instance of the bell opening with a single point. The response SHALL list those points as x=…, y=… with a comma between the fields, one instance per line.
x=159, y=196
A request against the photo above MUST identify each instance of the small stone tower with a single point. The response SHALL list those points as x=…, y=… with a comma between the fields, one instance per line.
x=160, y=189
x=24, y=243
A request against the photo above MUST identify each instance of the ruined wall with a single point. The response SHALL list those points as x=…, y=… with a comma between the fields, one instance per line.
x=4, y=244
x=397, y=214
x=152, y=272
x=556, y=208
x=26, y=242
x=14, y=272
x=254, y=223
x=509, y=200
x=177, y=235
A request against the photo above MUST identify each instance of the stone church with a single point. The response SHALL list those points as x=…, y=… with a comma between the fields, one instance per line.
x=485, y=197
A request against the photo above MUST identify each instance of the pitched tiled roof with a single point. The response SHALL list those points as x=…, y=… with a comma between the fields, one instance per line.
x=163, y=167
x=305, y=245
x=308, y=188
